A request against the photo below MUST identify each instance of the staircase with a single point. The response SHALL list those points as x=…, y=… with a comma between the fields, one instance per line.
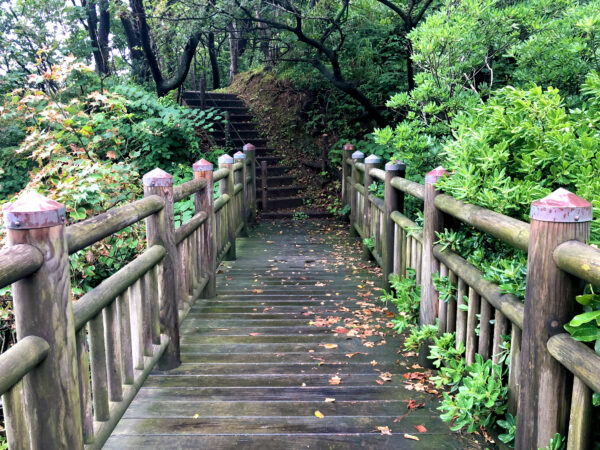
x=283, y=191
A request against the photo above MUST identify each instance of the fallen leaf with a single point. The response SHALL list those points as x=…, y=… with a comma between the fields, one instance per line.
x=335, y=380
x=196, y=416
x=421, y=428
x=410, y=436
x=414, y=405
x=341, y=330
x=329, y=400
x=385, y=430
x=329, y=346
x=254, y=334
x=373, y=363
x=319, y=414
x=257, y=291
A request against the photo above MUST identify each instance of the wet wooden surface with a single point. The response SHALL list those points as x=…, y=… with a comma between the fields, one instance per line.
x=295, y=312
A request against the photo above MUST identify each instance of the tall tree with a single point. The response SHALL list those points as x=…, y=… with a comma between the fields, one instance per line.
x=98, y=26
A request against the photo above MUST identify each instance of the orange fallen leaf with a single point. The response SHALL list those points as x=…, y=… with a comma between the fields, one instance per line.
x=341, y=330
x=385, y=430
x=335, y=380
x=329, y=346
x=414, y=405
x=373, y=363
x=254, y=334
x=421, y=428
x=389, y=314
x=410, y=436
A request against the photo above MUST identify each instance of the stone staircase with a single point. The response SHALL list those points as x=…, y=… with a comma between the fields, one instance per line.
x=283, y=190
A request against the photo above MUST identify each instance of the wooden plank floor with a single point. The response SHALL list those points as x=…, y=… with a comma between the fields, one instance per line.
x=264, y=356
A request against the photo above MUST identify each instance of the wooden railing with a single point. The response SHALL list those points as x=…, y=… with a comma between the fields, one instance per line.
x=551, y=376
x=78, y=365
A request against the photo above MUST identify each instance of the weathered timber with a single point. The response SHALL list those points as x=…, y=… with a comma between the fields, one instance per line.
x=507, y=229
x=442, y=305
x=393, y=201
x=514, y=369
x=510, y=305
x=250, y=151
x=485, y=328
x=377, y=203
x=98, y=368
x=190, y=226
x=184, y=190
x=21, y=359
x=347, y=151
x=15, y=418
x=88, y=306
x=160, y=231
x=96, y=228
x=125, y=336
x=549, y=304
x=263, y=185
x=406, y=223
x=461, y=314
x=226, y=186
x=579, y=259
x=371, y=162
x=220, y=174
x=112, y=339
x=17, y=262
x=43, y=307
x=203, y=202
x=409, y=187
x=242, y=185
x=356, y=175
x=221, y=202
x=578, y=358
x=433, y=223
x=85, y=391
x=500, y=330
x=377, y=174
x=473, y=312
x=580, y=417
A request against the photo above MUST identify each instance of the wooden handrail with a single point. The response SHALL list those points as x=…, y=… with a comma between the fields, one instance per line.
x=88, y=306
x=96, y=228
x=409, y=187
x=186, y=189
x=17, y=262
x=220, y=174
x=580, y=260
x=20, y=359
x=581, y=360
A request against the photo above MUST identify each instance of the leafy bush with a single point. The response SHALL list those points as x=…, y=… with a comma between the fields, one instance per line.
x=449, y=359
x=405, y=295
x=419, y=335
x=480, y=399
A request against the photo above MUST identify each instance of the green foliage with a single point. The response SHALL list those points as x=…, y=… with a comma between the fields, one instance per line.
x=444, y=287
x=300, y=215
x=558, y=442
x=418, y=336
x=405, y=295
x=585, y=327
x=369, y=242
x=377, y=188
x=509, y=425
x=480, y=398
x=449, y=359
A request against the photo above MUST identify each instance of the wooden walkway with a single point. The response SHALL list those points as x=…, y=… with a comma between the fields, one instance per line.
x=296, y=332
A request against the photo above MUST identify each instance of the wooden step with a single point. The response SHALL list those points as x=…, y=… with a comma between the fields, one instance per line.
x=280, y=191
x=282, y=202
x=276, y=180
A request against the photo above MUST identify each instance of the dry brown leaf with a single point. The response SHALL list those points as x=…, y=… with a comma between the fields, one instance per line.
x=385, y=430
x=335, y=380
x=328, y=346
x=410, y=436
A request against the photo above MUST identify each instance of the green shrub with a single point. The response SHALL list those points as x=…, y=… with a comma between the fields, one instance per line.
x=405, y=295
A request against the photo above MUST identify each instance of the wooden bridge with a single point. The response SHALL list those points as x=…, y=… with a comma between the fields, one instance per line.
x=221, y=336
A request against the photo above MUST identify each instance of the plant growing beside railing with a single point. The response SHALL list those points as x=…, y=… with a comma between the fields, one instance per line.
x=405, y=295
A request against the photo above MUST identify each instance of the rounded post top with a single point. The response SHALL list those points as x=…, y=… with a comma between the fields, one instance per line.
x=395, y=165
x=348, y=147
x=249, y=147
x=239, y=155
x=225, y=159
x=33, y=210
x=358, y=155
x=561, y=206
x=372, y=159
x=157, y=177
x=202, y=166
x=433, y=176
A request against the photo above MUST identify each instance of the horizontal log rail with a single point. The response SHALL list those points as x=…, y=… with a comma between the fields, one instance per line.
x=479, y=312
x=21, y=359
x=94, y=229
x=98, y=351
x=580, y=260
x=17, y=262
x=92, y=303
x=184, y=190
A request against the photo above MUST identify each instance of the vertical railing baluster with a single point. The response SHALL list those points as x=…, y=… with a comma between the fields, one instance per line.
x=203, y=201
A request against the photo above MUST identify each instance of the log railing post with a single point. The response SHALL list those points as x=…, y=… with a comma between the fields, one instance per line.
x=43, y=308
x=433, y=222
x=160, y=231
x=203, y=201
x=226, y=186
x=250, y=151
x=393, y=201
x=241, y=178
x=357, y=157
x=543, y=408
x=263, y=184
x=347, y=151
x=371, y=162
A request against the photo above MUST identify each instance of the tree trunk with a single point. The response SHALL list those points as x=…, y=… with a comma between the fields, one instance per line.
x=410, y=74
x=99, y=30
x=214, y=63
x=234, y=50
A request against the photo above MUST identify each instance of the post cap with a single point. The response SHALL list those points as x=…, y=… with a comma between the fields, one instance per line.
x=358, y=155
x=437, y=173
x=561, y=206
x=395, y=165
x=202, y=166
x=372, y=159
x=33, y=210
x=348, y=146
x=249, y=147
x=157, y=177
x=239, y=155
x=225, y=159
